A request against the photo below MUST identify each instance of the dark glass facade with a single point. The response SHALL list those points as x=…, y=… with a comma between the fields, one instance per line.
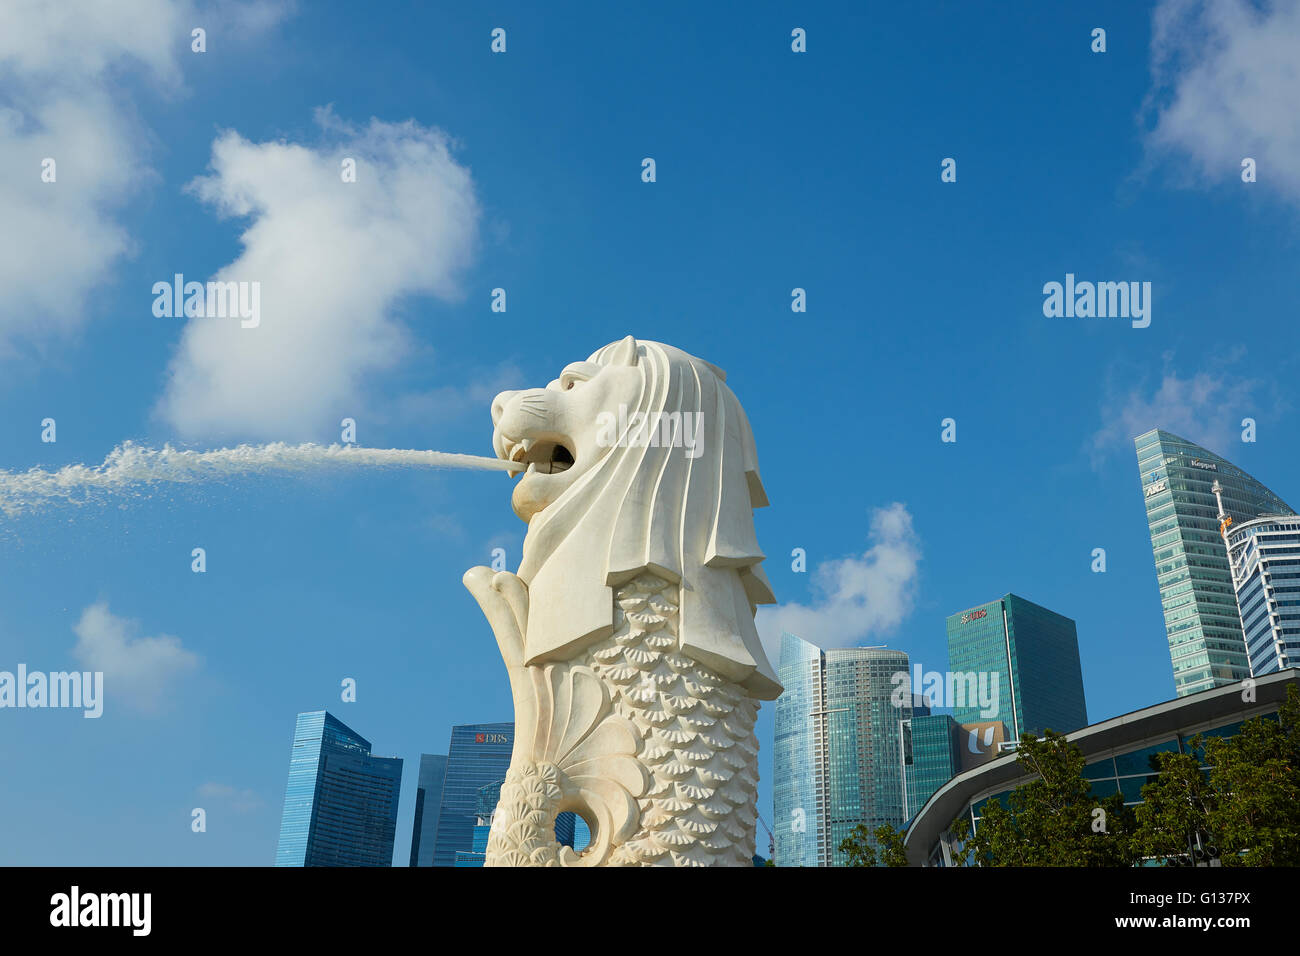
x=428, y=803
x=931, y=756
x=1034, y=652
x=477, y=758
x=478, y=755
x=488, y=798
x=1202, y=624
x=340, y=804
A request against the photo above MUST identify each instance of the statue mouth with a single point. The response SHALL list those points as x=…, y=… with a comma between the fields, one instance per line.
x=543, y=456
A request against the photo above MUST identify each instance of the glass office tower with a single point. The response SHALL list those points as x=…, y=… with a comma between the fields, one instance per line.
x=477, y=758
x=428, y=802
x=479, y=755
x=1264, y=556
x=488, y=798
x=340, y=804
x=1202, y=623
x=1035, y=654
x=931, y=757
x=838, y=750
x=798, y=780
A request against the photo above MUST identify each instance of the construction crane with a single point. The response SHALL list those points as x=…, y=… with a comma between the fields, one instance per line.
x=771, y=840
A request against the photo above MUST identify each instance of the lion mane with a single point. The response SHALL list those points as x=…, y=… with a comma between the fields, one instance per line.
x=650, y=507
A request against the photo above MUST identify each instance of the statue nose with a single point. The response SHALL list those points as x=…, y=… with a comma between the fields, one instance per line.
x=499, y=406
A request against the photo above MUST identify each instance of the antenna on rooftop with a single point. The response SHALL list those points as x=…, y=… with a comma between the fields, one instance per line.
x=1224, y=518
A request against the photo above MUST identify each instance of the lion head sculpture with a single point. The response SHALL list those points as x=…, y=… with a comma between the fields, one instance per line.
x=638, y=459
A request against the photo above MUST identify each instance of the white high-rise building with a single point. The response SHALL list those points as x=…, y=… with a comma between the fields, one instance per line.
x=1264, y=557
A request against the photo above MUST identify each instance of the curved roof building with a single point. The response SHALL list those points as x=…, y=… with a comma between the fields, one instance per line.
x=1117, y=754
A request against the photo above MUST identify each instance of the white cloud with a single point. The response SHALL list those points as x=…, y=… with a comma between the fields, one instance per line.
x=1225, y=86
x=452, y=402
x=1204, y=407
x=60, y=64
x=75, y=40
x=138, y=671
x=65, y=71
x=335, y=260
x=233, y=18
x=855, y=597
x=239, y=800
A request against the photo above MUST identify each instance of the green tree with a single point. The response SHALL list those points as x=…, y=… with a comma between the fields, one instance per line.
x=861, y=852
x=1175, y=806
x=1055, y=819
x=1247, y=804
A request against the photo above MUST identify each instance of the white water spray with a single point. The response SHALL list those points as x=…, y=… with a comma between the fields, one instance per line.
x=130, y=465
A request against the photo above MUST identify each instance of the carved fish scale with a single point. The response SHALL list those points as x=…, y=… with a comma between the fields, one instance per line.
x=696, y=744
x=697, y=737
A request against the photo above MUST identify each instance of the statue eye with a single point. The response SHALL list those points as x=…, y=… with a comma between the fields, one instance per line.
x=570, y=379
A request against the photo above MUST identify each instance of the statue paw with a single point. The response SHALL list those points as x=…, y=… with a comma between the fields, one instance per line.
x=504, y=600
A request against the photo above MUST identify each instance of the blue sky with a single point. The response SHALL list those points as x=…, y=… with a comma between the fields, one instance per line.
x=522, y=170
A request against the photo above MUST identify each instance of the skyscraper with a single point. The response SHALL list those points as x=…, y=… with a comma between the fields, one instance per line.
x=1035, y=654
x=340, y=804
x=428, y=803
x=931, y=757
x=477, y=760
x=1264, y=558
x=798, y=756
x=478, y=755
x=838, y=749
x=1202, y=623
x=476, y=855
x=936, y=748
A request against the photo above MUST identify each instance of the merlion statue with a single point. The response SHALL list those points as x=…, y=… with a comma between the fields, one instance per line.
x=628, y=632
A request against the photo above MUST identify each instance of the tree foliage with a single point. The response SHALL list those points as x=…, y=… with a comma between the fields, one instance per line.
x=860, y=850
x=1246, y=805
x=1239, y=795
x=1055, y=819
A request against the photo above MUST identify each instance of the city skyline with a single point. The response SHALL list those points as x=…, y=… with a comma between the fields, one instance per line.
x=926, y=183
